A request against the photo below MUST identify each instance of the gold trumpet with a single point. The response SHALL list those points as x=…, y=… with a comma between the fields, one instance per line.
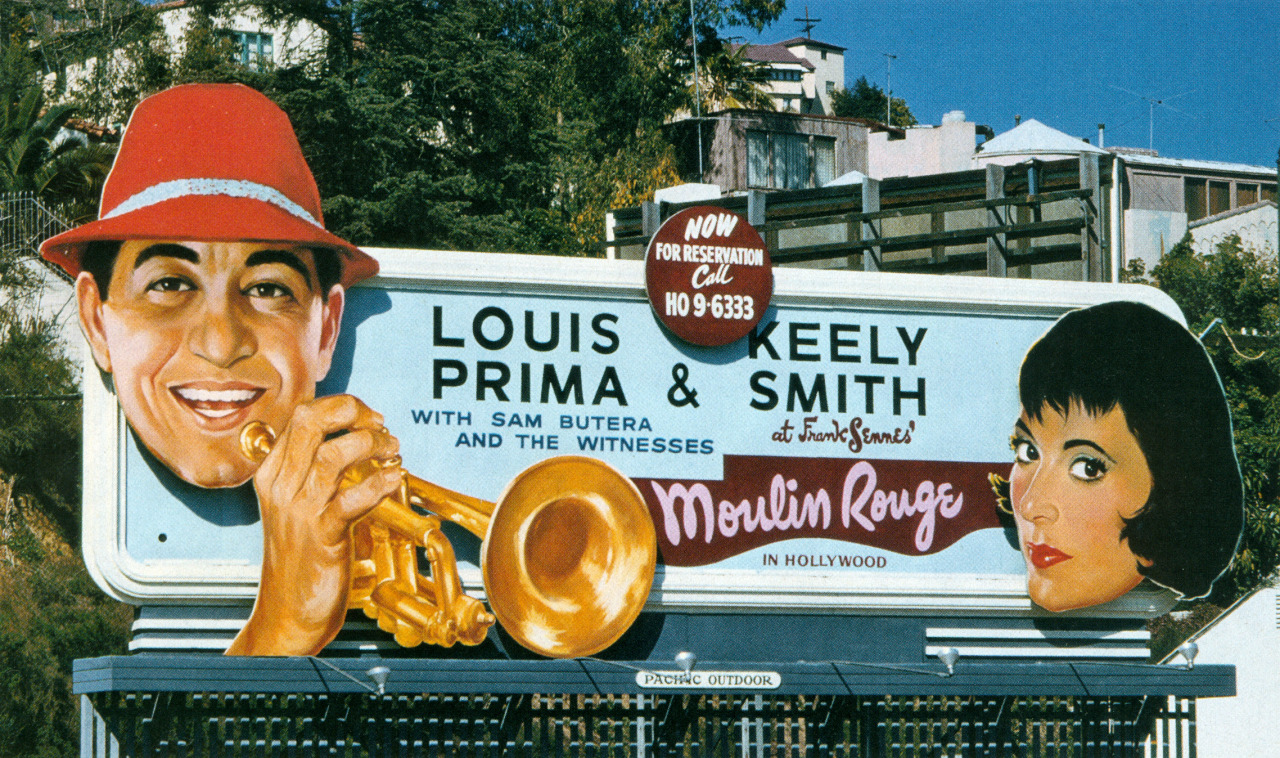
x=567, y=555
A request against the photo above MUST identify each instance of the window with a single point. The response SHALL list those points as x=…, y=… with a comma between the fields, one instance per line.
x=831, y=87
x=824, y=55
x=1197, y=201
x=1219, y=197
x=791, y=164
x=786, y=75
x=789, y=161
x=824, y=160
x=757, y=159
x=255, y=48
x=1205, y=197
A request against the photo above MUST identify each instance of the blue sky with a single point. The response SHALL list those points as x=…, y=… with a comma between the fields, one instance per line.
x=1073, y=64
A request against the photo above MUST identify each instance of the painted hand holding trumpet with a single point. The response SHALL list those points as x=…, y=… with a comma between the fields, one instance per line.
x=567, y=557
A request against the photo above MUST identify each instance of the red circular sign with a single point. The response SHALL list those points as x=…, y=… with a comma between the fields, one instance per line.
x=708, y=275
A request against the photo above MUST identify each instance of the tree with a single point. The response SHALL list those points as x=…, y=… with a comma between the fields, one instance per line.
x=38, y=157
x=93, y=49
x=1239, y=286
x=868, y=101
x=728, y=79
x=508, y=125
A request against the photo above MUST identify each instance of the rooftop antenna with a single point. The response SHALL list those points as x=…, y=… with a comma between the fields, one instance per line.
x=1151, y=110
x=808, y=23
x=889, y=58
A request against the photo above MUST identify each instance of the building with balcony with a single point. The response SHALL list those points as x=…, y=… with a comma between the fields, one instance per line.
x=803, y=73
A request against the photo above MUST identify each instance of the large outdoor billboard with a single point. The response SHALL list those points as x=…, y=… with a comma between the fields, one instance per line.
x=838, y=458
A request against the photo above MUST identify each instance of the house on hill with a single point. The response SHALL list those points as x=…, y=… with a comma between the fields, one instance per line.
x=803, y=73
x=257, y=42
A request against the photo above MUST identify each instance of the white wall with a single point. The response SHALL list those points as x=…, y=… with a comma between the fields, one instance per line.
x=291, y=44
x=926, y=150
x=1150, y=234
x=1244, y=726
x=829, y=70
x=1256, y=227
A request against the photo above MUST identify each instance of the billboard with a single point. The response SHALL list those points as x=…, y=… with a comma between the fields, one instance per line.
x=837, y=458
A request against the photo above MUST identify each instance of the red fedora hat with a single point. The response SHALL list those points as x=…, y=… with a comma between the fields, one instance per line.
x=209, y=163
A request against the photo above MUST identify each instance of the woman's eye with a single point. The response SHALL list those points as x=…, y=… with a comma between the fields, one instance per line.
x=268, y=289
x=1024, y=451
x=170, y=284
x=1088, y=469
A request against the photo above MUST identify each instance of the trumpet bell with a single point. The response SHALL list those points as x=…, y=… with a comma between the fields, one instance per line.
x=569, y=557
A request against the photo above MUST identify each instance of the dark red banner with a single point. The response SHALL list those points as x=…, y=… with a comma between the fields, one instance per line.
x=908, y=507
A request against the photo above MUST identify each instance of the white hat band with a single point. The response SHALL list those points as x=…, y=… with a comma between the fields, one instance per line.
x=158, y=193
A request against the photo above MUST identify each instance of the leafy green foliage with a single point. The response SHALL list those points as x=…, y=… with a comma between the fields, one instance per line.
x=40, y=418
x=50, y=614
x=94, y=47
x=505, y=125
x=33, y=156
x=728, y=79
x=868, y=101
x=1239, y=286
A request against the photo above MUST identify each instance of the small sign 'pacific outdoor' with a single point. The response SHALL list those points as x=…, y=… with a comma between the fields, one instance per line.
x=708, y=276
x=718, y=680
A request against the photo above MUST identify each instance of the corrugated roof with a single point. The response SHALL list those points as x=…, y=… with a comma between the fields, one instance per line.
x=1034, y=138
x=1194, y=165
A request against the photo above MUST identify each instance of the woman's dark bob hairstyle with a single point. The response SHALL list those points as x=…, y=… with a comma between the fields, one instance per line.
x=1131, y=355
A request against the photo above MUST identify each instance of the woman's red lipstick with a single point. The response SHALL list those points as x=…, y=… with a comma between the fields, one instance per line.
x=1043, y=556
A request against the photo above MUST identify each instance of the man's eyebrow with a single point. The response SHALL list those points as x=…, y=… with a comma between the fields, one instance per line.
x=165, y=250
x=292, y=260
x=1019, y=426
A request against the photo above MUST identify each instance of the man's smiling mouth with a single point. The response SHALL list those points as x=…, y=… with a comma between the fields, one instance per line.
x=216, y=403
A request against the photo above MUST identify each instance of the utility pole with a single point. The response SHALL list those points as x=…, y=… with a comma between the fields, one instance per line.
x=697, y=91
x=888, y=85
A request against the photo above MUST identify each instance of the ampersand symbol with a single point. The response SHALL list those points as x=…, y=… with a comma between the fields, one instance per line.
x=686, y=396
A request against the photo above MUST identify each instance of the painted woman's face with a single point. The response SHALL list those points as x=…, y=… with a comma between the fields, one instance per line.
x=1076, y=479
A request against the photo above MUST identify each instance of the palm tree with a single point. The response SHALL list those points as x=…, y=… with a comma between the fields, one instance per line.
x=36, y=155
x=729, y=79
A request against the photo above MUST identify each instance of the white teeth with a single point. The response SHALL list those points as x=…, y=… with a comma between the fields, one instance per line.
x=215, y=396
x=215, y=414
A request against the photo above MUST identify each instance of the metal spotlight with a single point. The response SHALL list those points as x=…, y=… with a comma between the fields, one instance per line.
x=949, y=656
x=1189, y=650
x=686, y=661
x=379, y=676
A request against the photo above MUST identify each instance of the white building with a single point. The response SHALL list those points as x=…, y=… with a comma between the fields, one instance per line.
x=1159, y=200
x=1167, y=197
x=925, y=150
x=283, y=44
x=258, y=42
x=1247, y=635
x=803, y=73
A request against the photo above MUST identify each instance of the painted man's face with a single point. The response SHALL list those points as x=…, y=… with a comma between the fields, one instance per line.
x=1076, y=479
x=202, y=337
